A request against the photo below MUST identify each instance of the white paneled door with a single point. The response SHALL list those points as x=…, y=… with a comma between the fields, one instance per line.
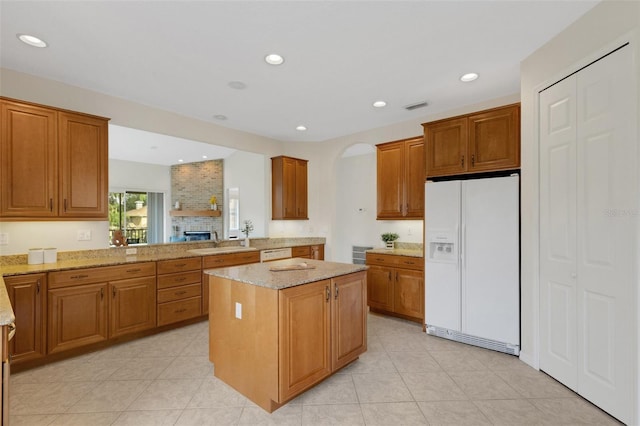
x=588, y=233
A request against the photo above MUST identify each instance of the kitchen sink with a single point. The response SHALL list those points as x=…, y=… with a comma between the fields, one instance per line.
x=218, y=250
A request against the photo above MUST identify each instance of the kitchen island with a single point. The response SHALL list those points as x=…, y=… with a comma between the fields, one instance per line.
x=274, y=333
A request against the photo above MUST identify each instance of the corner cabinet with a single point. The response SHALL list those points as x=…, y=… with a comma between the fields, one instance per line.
x=27, y=294
x=400, y=177
x=288, y=188
x=396, y=285
x=484, y=141
x=54, y=163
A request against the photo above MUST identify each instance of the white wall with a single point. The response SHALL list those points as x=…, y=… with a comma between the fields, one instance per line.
x=603, y=28
x=246, y=171
x=61, y=235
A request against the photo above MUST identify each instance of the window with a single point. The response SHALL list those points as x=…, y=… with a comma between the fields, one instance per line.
x=234, y=213
x=138, y=214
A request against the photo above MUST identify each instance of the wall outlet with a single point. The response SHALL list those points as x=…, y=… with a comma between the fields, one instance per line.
x=238, y=310
x=84, y=235
x=4, y=239
x=131, y=251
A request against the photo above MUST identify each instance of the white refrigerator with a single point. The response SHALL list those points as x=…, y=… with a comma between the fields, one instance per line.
x=472, y=261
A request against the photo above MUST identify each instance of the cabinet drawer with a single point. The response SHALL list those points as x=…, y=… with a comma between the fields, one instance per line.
x=179, y=311
x=172, y=280
x=247, y=257
x=407, y=262
x=103, y=274
x=303, y=251
x=179, y=265
x=179, y=293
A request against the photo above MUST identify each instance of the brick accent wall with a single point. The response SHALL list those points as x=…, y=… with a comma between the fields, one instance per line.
x=193, y=184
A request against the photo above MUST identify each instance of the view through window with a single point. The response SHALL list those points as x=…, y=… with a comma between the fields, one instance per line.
x=138, y=214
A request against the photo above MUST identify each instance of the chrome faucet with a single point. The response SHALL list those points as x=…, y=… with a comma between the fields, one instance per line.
x=215, y=239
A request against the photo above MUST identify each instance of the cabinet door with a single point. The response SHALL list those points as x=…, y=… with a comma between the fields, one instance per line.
x=348, y=319
x=301, y=190
x=133, y=305
x=83, y=143
x=380, y=287
x=446, y=147
x=26, y=294
x=28, y=161
x=77, y=316
x=414, y=177
x=408, y=293
x=494, y=140
x=317, y=252
x=390, y=177
x=289, y=187
x=305, y=343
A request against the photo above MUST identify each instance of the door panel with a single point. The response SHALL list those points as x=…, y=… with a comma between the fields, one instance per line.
x=558, y=232
x=607, y=228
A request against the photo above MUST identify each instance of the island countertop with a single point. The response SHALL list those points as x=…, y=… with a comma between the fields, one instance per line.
x=262, y=275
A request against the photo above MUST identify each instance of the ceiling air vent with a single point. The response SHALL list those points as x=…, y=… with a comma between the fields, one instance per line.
x=416, y=106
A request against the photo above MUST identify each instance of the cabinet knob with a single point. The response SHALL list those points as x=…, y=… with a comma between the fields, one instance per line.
x=328, y=293
x=462, y=161
x=336, y=296
x=473, y=160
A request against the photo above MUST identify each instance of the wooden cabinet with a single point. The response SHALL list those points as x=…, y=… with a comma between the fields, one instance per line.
x=27, y=294
x=309, y=252
x=322, y=329
x=400, y=177
x=77, y=316
x=396, y=285
x=288, y=188
x=54, y=163
x=179, y=290
x=484, y=141
x=288, y=340
x=133, y=305
x=91, y=305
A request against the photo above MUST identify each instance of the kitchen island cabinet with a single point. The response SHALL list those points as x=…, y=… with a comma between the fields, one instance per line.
x=275, y=334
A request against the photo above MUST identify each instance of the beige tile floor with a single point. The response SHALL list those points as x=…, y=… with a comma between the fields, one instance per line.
x=405, y=378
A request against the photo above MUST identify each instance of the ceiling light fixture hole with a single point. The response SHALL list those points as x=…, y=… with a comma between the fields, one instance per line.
x=31, y=40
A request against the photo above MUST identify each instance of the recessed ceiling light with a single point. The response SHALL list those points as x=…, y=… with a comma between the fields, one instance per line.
x=379, y=104
x=220, y=117
x=237, y=85
x=274, y=59
x=301, y=128
x=469, y=77
x=32, y=40
x=204, y=156
x=180, y=160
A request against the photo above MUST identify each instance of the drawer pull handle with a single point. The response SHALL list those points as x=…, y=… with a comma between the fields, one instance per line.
x=179, y=279
x=179, y=311
x=79, y=277
x=181, y=265
x=180, y=293
x=328, y=293
x=133, y=270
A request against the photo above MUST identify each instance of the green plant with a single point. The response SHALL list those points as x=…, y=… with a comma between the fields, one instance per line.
x=248, y=227
x=389, y=236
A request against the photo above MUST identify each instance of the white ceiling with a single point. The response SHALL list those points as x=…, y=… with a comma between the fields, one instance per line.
x=340, y=56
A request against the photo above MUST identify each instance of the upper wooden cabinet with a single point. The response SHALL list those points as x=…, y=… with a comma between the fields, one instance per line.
x=288, y=188
x=54, y=163
x=401, y=179
x=480, y=142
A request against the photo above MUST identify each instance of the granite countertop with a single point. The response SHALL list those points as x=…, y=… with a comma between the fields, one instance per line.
x=16, y=265
x=259, y=274
x=398, y=252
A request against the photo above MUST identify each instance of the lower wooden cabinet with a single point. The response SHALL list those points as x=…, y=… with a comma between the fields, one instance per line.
x=87, y=306
x=396, y=285
x=322, y=329
x=309, y=252
x=77, y=316
x=132, y=306
x=179, y=290
x=27, y=294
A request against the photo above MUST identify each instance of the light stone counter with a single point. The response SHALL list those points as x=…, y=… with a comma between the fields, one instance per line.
x=397, y=252
x=259, y=274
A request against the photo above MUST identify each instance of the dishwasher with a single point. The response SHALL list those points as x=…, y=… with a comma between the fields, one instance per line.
x=275, y=254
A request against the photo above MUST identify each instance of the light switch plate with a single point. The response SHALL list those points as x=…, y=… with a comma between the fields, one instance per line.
x=238, y=310
x=4, y=239
x=131, y=251
x=84, y=235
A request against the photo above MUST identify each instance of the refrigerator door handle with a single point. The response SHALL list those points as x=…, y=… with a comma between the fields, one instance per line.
x=463, y=244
